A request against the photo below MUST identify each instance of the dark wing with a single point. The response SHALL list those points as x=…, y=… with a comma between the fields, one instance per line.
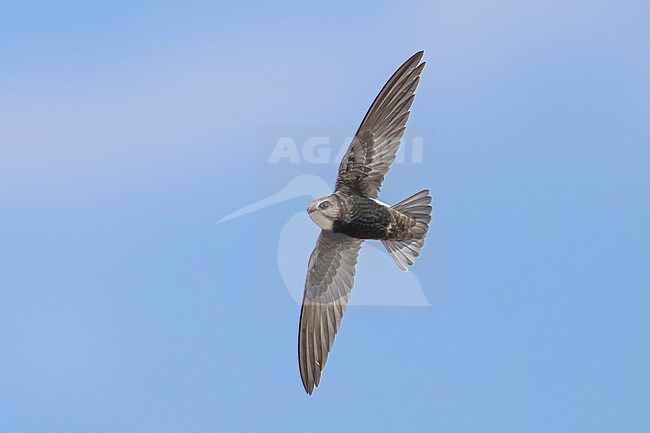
x=373, y=148
x=329, y=281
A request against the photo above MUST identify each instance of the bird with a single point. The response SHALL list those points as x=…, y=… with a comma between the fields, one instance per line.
x=353, y=214
x=291, y=246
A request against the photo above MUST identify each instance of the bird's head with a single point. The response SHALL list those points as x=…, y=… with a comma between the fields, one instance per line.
x=323, y=211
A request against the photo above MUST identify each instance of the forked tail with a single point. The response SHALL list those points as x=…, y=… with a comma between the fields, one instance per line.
x=418, y=207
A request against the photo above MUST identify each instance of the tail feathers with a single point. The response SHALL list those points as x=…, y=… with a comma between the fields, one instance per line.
x=417, y=206
x=404, y=251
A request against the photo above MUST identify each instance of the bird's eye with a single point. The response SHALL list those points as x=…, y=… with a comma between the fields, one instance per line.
x=324, y=205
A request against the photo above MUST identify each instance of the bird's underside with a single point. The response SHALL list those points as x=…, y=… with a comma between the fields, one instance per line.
x=367, y=219
x=402, y=227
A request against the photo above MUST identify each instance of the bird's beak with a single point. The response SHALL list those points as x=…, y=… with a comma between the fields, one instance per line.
x=311, y=208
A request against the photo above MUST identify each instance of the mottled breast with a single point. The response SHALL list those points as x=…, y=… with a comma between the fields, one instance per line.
x=364, y=219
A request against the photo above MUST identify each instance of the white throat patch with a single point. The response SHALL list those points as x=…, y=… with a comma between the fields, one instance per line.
x=321, y=220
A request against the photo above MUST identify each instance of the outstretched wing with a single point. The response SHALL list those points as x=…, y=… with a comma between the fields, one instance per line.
x=373, y=148
x=327, y=290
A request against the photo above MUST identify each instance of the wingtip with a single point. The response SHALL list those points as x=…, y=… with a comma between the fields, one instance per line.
x=308, y=389
x=415, y=58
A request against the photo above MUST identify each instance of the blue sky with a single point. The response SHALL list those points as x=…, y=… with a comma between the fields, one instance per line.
x=128, y=128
